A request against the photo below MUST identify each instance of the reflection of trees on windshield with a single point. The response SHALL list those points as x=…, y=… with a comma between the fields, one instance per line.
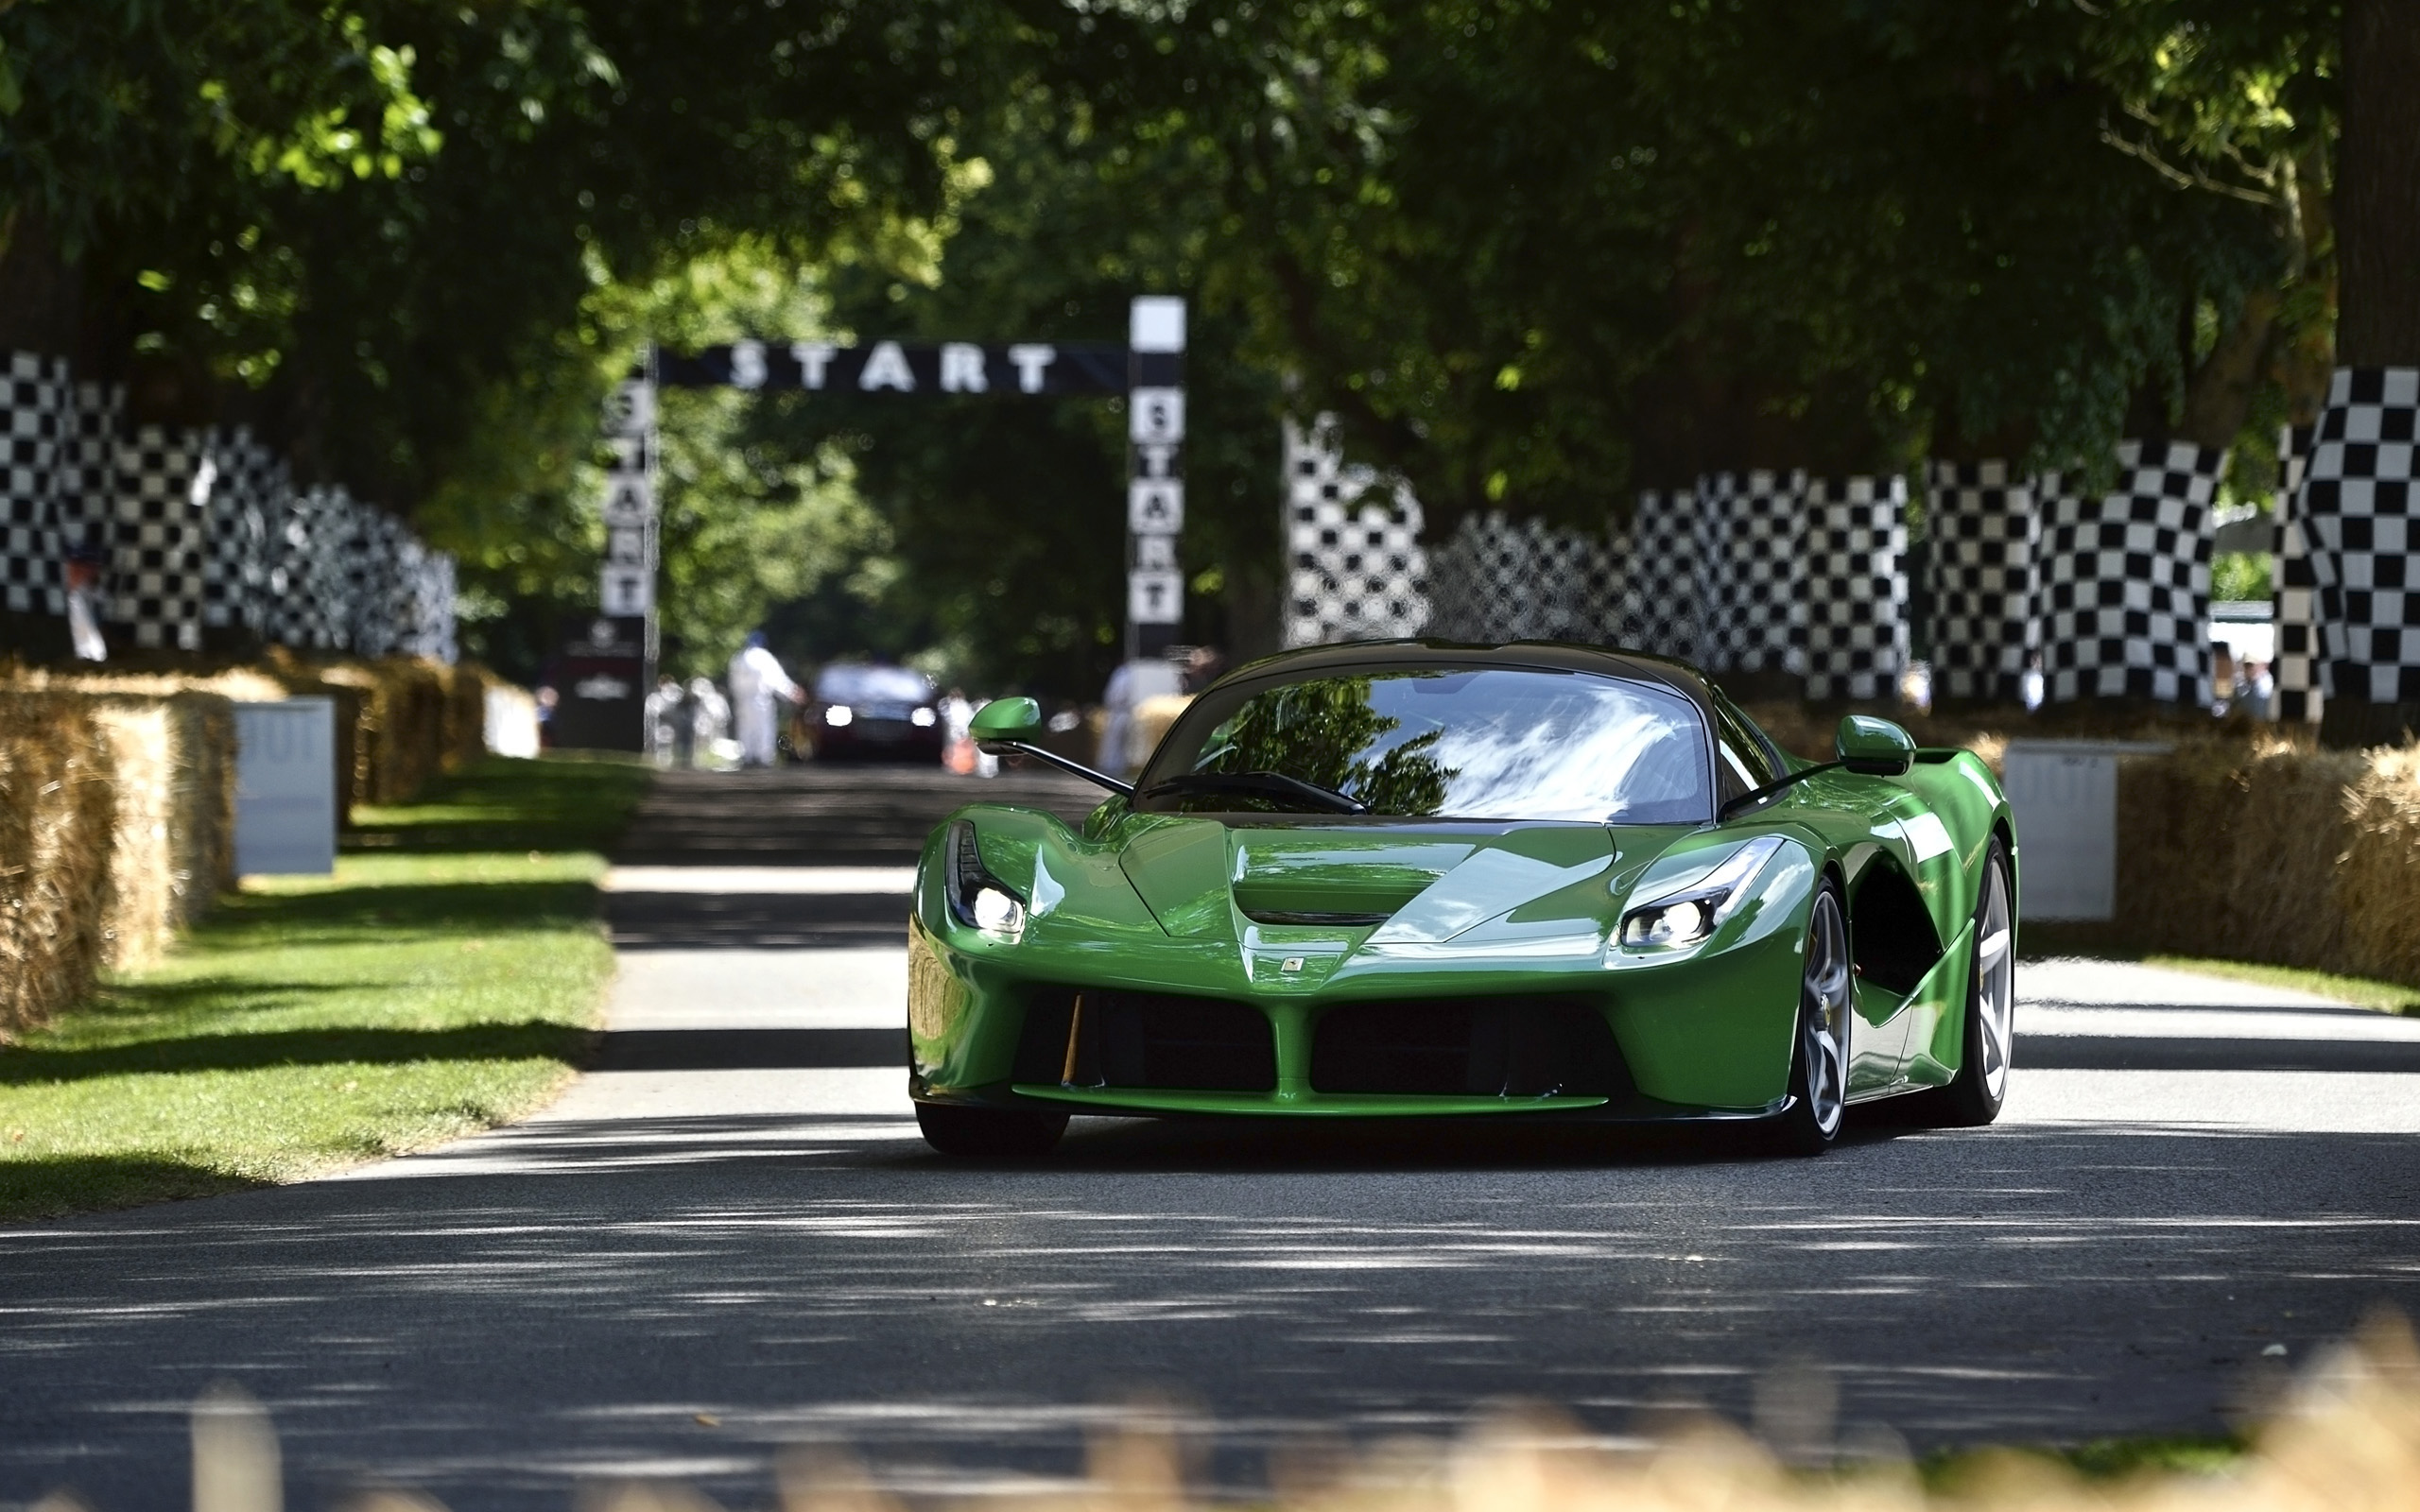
x=1321, y=732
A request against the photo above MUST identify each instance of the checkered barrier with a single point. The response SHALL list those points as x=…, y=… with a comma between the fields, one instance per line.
x=41, y=400
x=2357, y=510
x=2124, y=578
x=1525, y=580
x=312, y=612
x=202, y=530
x=165, y=478
x=1355, y=571
x=89, y=479
x=2294, y=695
x=1984, y=531
x=1661, y=580
x=1856, y=594
x=425, y=610
x=246, y=499
x=1753, y=574
x=375, y=577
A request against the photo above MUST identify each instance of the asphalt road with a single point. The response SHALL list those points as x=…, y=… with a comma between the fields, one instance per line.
x=727, y=1239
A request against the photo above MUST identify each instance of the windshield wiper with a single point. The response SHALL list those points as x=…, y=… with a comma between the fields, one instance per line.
x=1263, y=785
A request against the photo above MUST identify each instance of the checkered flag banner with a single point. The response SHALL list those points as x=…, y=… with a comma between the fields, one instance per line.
x=246, y=498
x=1501, y=580
x=1856, y=596
x=2356, y=516
x=36, y=486
x=2294, y=695
x=88, y=479
x=165, y=481
x=1661, y=587
x=314, y=548
x=1753, y=572
x=1984, y=530
x=2124, y=578
x=376, y=579
x=1355, y=571
x=427, y=606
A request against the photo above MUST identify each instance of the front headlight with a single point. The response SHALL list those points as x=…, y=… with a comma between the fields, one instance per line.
x=1687, y=914
x=977, y=899
x=839, y=715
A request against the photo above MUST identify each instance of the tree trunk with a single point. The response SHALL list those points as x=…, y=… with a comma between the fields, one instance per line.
x=2377, y=187
x=2218, y=397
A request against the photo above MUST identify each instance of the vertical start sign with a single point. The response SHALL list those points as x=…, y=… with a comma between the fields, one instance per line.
x=606, y=670
x=1155, y=476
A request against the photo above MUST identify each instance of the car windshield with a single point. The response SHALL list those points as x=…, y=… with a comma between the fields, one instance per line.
x=1492, y=742
x=861, y=684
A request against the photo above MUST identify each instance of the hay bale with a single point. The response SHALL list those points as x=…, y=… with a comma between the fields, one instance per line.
x=398, y=710
x=173, y=832
x=2377, y=887
x=56, y=808
x=140, y=917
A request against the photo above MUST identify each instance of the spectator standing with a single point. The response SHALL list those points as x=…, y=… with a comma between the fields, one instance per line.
x=756, y=681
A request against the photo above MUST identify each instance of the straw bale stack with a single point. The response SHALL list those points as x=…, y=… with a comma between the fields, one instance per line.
x=2235, y=849
x=172, y=847
x=2377, y=888
x=402, y=722
x=57, y=807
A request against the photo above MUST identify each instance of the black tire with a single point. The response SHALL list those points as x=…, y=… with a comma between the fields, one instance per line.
x=988, y=1133
x=1987, y=1038
x=1819, y=1058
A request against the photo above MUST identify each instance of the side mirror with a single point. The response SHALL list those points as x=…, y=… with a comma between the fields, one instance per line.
x=1874, y=748
x=1013, y=719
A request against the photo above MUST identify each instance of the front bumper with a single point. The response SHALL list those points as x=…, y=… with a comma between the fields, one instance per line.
x=1708, y=1038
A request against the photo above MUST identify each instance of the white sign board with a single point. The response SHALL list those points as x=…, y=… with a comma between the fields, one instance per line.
x=286, y=787
x=1157, y=415
x=625, y=591
x=2063, y=795
x=1154, y=507
x=1154, y=598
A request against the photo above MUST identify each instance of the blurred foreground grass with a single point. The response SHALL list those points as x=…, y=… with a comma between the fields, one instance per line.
x=443, y=979
x=2343, y=1437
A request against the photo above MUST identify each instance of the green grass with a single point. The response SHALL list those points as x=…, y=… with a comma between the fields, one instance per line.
x=2100, y=942
x=446, y=978
x=2386, y=996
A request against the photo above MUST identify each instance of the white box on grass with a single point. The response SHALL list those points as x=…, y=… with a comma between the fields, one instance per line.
x=286, y=787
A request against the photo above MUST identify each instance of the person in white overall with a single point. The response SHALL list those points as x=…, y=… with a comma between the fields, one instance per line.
x=756, y=681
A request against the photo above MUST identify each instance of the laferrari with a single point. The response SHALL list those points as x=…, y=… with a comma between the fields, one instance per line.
x=1422, y=880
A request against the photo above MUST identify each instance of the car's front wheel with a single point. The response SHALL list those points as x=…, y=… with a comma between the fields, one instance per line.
x=1973, y=1098
x=988, y=1133
x=1819, y=1065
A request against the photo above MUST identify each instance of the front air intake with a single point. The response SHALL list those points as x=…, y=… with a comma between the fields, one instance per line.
x=1481, y=1047
x=1148, y=1041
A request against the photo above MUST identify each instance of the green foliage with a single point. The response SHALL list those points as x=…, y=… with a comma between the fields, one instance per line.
x=2239, y=577
x=1533, y=254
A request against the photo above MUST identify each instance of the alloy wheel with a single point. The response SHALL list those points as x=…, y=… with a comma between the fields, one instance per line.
x=1995, y=982
x=1823, y=1009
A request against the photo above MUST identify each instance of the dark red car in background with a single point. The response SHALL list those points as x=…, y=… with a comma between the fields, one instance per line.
x=861, y=711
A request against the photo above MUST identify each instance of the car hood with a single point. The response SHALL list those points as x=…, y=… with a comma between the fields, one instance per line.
x=1392, y=888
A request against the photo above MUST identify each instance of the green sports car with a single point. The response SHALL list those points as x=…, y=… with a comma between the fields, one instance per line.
x=1413, y=879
